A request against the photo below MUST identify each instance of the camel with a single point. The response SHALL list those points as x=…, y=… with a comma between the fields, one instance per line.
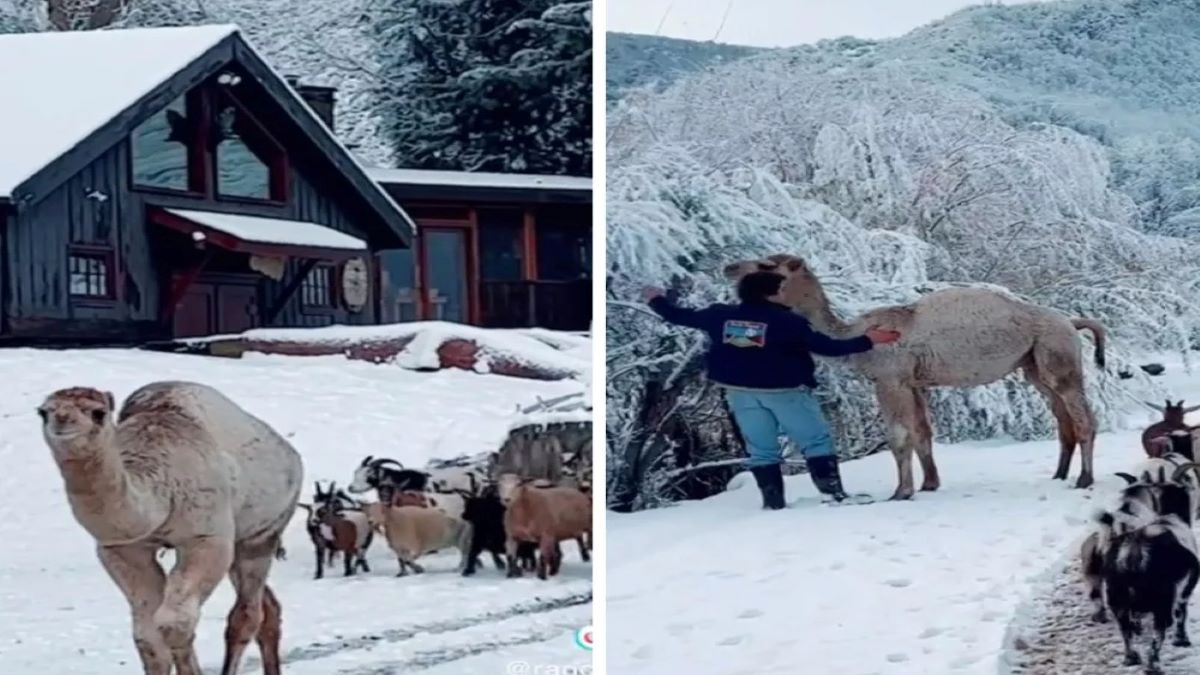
x=958, y=337
x=182, y=467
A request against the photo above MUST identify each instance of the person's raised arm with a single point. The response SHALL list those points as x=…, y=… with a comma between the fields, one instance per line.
x=672, y=313
x=819, y=343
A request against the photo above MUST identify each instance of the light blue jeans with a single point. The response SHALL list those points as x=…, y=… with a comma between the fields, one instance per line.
x=761, y=414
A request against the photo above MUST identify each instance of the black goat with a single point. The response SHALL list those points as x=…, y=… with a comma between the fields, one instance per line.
x=372, y=474
x=1152, y=568
x=485, y=513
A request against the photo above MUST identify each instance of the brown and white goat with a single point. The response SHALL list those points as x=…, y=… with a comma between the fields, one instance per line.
x=546, y=515
x=334, y=527
x=1173, y=414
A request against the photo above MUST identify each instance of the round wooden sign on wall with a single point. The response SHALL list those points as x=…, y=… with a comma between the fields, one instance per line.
x=355, y=284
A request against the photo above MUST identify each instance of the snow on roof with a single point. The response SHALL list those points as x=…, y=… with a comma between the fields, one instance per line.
x=273, y=230
x=517, y=181
x=61, y=87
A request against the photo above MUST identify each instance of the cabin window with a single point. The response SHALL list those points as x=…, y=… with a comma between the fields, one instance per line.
x=248, y=164
x=160, y=148
x=564, y=252
x=501, y=234
x=91, y=275
x=317, y=288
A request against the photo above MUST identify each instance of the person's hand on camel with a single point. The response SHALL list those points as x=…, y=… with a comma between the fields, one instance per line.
x=881, y=336
x=652, y=292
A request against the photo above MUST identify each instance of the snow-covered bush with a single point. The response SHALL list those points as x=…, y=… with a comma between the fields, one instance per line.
x=890, y=187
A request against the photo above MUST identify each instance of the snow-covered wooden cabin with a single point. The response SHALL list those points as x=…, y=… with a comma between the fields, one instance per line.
x=492, y=249
x=159, y=183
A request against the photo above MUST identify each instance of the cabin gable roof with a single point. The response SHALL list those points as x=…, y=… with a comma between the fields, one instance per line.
x=59, y=135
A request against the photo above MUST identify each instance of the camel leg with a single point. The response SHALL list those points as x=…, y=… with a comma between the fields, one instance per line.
x=924, y=441
x=200, y=566
x=137, y=573
x=251, y=565
x=1077, y=407
x=1066, y=425
x=898, y=404
x=270, y=633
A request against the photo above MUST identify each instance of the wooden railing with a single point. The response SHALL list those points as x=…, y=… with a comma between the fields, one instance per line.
x=558, y=305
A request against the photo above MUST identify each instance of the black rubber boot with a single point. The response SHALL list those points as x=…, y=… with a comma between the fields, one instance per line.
x=770, y=483
x=825, y=475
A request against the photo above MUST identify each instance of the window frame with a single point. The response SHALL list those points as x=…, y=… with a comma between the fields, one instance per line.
x=258, y=140
x=108, y=259
x=331, y=299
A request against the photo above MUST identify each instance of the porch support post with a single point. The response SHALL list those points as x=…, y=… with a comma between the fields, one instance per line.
x=290, y=290
x=529, y=274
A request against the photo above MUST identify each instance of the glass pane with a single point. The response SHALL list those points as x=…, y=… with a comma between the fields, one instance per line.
x=500, y=235
x=240, y=171
x=563, y=252
x=445, y=252
x=400, y=301
x=160, y=151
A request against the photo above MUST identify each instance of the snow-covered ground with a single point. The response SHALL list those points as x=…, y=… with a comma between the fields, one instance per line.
x=63, y=616
x=943, y=584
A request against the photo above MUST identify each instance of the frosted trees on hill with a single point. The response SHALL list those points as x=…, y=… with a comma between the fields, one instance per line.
x=891, y=187
x=487, y=85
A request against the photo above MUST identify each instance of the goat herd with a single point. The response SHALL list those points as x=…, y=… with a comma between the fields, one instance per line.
x=468, y=504
x=1142, y=559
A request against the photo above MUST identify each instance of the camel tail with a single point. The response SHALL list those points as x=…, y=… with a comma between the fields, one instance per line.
x=1098, y=333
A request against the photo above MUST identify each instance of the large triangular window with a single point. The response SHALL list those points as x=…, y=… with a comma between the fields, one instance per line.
x=248, y=163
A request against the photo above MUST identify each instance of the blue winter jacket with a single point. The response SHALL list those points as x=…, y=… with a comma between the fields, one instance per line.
x=759, y=346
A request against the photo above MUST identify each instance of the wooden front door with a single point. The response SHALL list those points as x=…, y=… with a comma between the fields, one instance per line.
x=218, y=304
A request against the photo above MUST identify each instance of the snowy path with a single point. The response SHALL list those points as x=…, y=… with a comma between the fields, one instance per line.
x=1059, y=638
x=720, y=587
x=63, y=616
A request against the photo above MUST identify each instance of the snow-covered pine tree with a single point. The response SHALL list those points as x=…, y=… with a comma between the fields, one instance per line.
x=487, y=85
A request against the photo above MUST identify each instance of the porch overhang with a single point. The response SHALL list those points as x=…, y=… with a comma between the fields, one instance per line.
x=259, y=236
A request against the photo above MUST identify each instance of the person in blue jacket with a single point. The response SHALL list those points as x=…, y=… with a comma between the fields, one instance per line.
x=760, y=353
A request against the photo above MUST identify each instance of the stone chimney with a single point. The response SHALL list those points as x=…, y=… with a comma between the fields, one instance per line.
x=320, y=99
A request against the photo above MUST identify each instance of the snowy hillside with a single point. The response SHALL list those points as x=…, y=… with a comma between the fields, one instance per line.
x=971, y=579
x=635, y=60
x=65, y=617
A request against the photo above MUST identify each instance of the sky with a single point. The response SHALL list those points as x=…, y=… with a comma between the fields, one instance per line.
x=777, y=23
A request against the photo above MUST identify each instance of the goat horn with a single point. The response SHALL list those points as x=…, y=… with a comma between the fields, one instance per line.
x=1127, y=478
x=367, y=460
x=316, y=487
x=1183, y=469
x=384, y=460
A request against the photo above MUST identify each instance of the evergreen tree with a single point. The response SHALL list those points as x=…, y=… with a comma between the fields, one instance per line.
x=488, y=85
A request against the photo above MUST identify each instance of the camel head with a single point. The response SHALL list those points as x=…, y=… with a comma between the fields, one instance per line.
x=76, y=417
x=802, y=290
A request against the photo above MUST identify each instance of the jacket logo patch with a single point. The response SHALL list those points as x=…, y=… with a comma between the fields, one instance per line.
x=744, y=334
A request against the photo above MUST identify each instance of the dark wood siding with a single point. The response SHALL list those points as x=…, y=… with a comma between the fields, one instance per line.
x=97, y=208
x=309, y=204
x=91, y=209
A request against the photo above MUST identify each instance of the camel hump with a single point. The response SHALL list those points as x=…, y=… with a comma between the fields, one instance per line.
x=165, y=397
x=1099, y=334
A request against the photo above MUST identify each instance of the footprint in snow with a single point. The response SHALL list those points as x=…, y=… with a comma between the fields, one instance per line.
x=898, y=583
x=930, y=632
x=897, y=658
x=643, y=652
x=750, y=614
x=731, y=641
